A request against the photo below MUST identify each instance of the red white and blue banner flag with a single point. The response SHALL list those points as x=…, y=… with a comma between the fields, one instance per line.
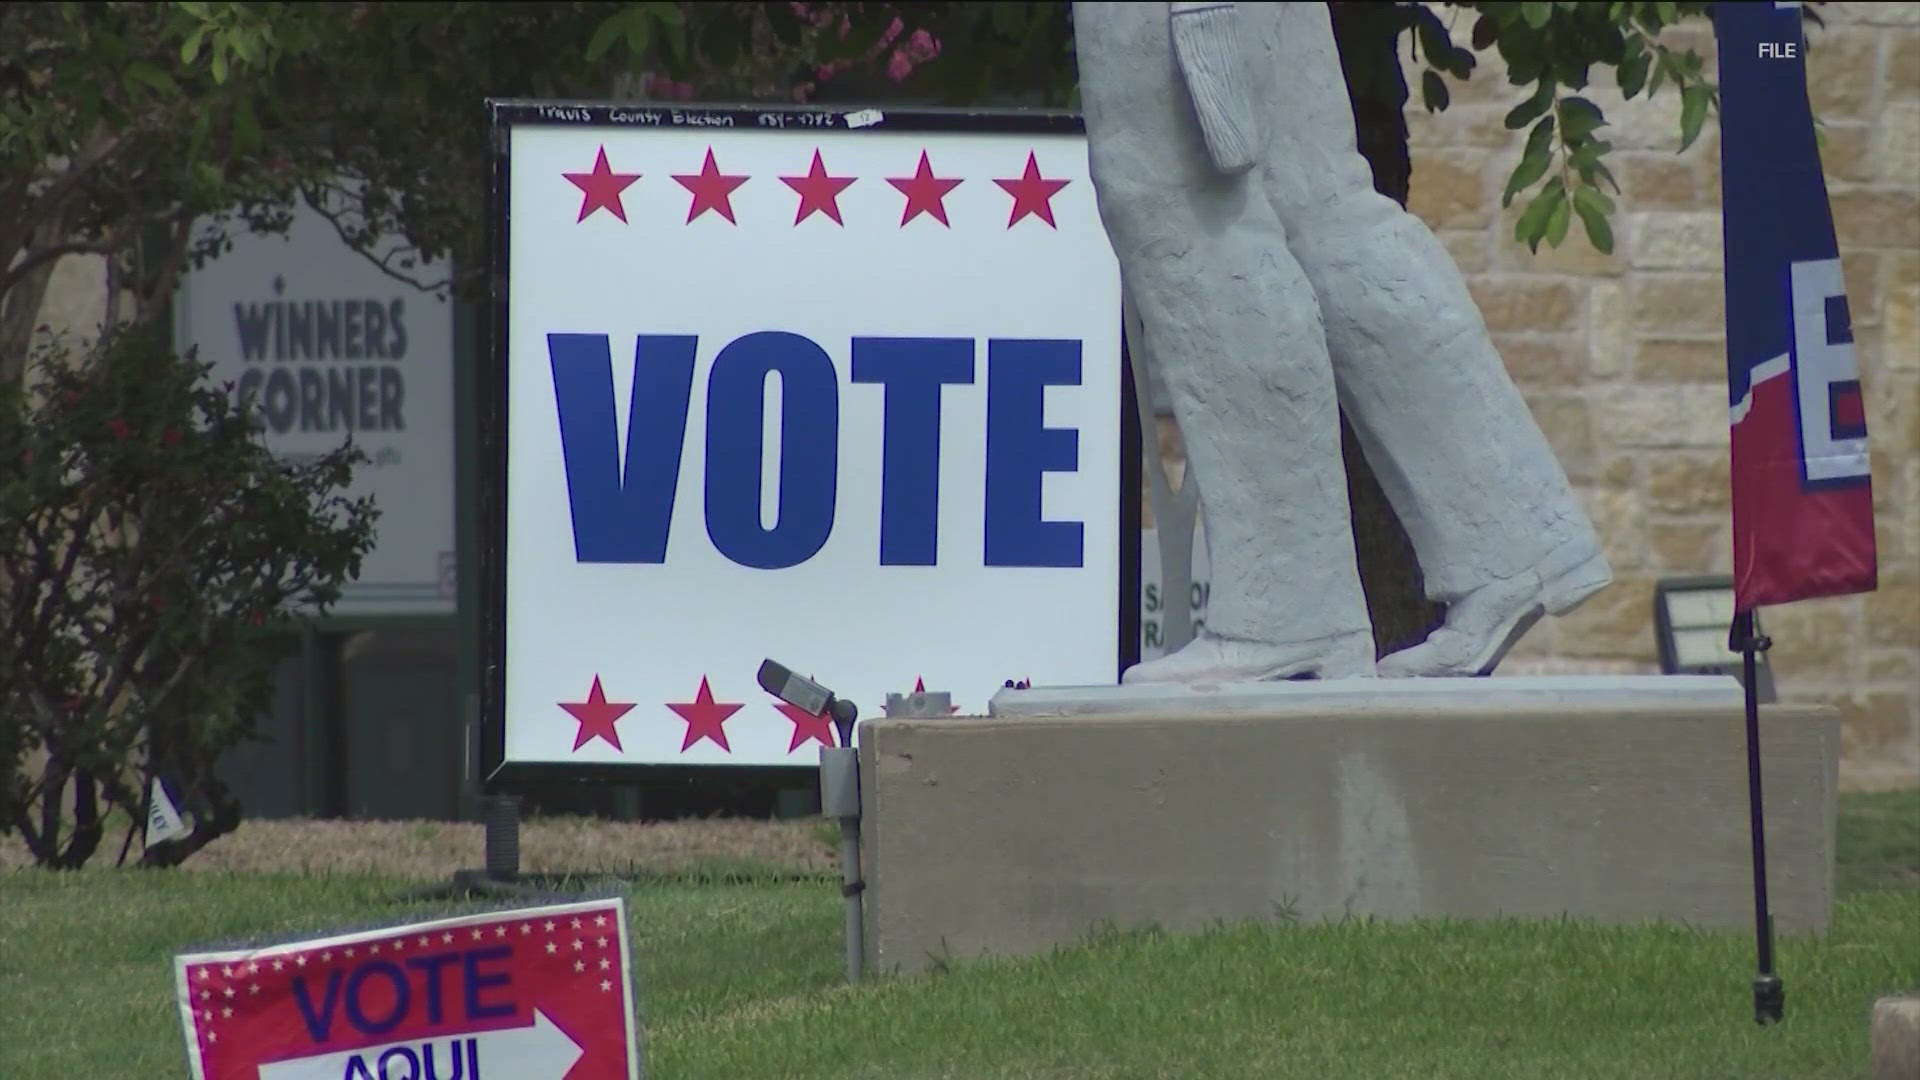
x=1802, y=498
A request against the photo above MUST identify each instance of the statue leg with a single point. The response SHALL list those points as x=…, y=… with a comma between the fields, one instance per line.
x=1232, y=322
x=1498, y=531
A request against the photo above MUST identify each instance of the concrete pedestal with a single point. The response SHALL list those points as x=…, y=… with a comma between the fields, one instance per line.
x=1620, y=800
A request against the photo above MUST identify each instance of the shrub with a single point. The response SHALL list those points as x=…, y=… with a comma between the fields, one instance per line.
x=150, y=546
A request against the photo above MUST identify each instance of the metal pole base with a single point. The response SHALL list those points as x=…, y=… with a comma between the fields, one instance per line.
x=1769, y=999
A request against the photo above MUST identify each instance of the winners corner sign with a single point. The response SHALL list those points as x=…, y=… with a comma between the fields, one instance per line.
x=327, y=347
x=840, y=389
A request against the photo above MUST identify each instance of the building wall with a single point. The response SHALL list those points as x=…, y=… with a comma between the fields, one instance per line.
x=1622, y=358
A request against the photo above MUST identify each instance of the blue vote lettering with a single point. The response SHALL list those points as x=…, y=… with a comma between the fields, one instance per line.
x=809, y=449
x=622, y=498
x=1021, y=448
x=621, y=516
x=371, y=1011
x=912, y=371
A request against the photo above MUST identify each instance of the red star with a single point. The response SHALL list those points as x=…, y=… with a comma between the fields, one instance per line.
x=705, y=718
x=711, y=190
x=602, y=188
x=596, y=716
x=818, y=191
x=806, y=726
x=924, y=192
x=1031, y=194
x=920, y=687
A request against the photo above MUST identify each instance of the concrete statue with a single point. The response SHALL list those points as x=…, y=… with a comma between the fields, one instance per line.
x=1272, y=281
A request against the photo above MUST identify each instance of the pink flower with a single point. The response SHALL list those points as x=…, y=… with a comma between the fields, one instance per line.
x=69, y=397
x=894, y=30
x=922, y=47
x=899, y=67
x=171, y=436
x=120, y=428
x=683, y=91
x=846, y=27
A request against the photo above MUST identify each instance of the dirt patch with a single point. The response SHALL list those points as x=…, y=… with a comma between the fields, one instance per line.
x=435, y=849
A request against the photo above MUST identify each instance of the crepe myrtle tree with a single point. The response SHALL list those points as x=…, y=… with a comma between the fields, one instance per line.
x=153, y=548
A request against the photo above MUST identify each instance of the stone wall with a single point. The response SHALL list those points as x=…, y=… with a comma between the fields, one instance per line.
x=1622, y=358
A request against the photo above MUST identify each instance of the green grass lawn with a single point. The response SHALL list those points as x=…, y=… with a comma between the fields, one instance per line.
x=740, y=977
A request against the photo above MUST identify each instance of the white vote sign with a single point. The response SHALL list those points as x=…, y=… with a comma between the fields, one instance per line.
x=328, y=347
x=846, y=397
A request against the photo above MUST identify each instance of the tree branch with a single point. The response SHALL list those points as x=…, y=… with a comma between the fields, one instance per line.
x=340, y=228
x=37, y=256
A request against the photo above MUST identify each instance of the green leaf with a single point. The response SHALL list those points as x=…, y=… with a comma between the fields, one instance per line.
x=1557, y=222
x=190, y=48
x=721, y=44
x=1536, y=14
x=1533, y=162
x=197, y=138
x=1578, y=118
x=676, y=38
x=1633, y=75
x=219, y=63
x=1585, y=160
x=1463, y=63
x=785, y=23
x=639, y=35
x=1532, y=224
x=1432, y=34
x=1693, y=113
x=1593, y=207
x=1433, y=90
x=195, y=8
x=605, y=35
x=141, y=71
x=244, y=45
x=1531, y=109
x=1485, y=32
x=246, y=124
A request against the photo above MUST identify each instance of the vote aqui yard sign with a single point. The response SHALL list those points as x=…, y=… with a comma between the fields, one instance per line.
x=530, y=994
x=843, y=389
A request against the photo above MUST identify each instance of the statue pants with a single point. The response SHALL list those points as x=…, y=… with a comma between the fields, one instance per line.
x=1268, y=295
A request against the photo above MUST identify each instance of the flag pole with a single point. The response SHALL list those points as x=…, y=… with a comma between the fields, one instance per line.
x=1769, y=993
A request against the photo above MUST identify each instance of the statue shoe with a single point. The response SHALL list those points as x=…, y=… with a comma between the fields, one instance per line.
x=1209, y=658
x=1482, y=625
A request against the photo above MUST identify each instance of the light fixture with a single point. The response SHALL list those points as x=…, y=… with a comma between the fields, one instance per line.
x=1692, y=617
